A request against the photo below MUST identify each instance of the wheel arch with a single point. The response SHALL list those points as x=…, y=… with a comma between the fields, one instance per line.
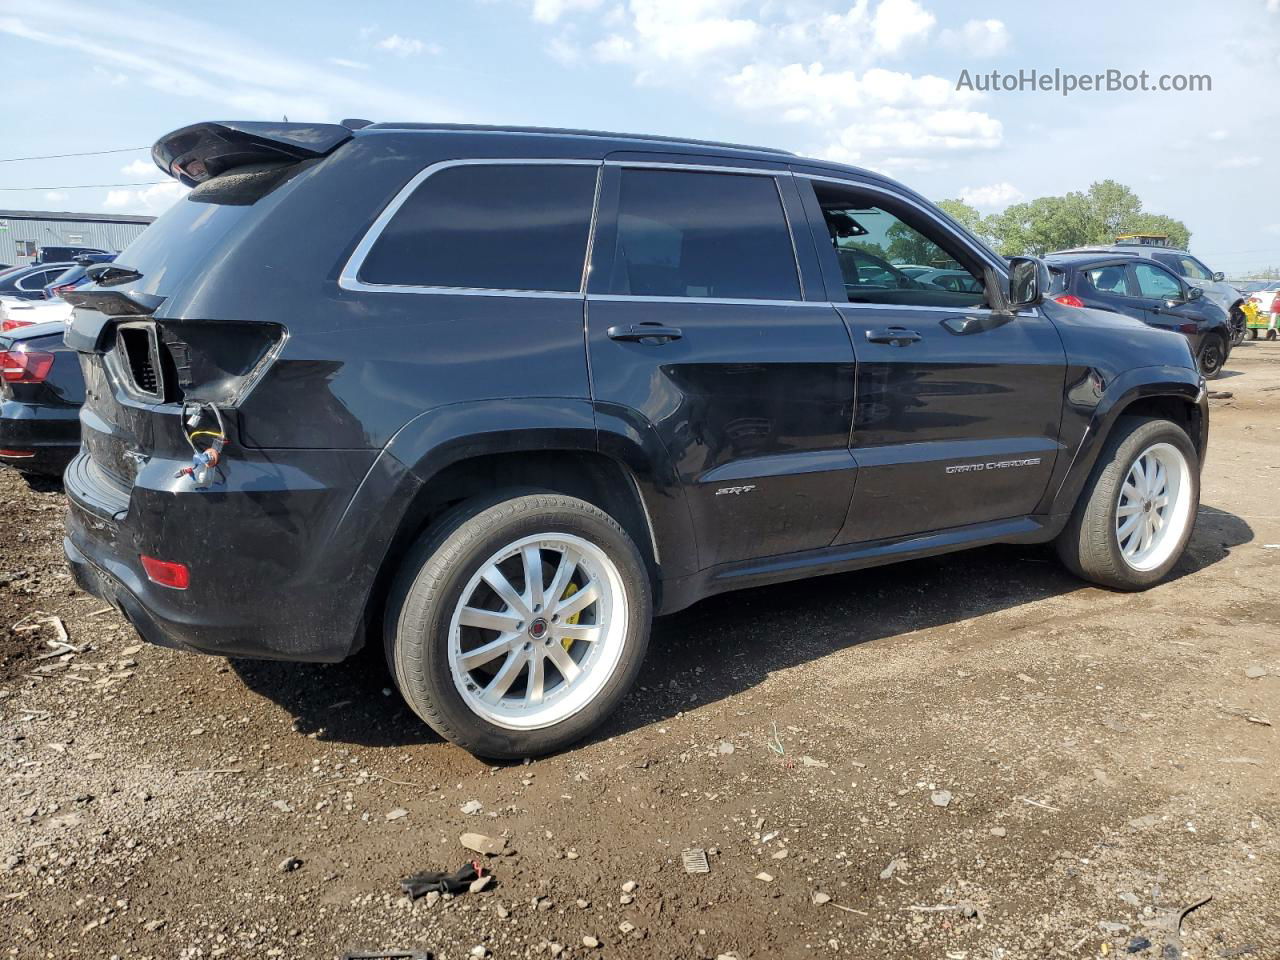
x=455, y=453
x=1171, y=393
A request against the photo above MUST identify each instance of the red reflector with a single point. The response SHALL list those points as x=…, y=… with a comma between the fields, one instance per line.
x=25, y=366
x=1186, y=328
x=165, y=573
x=17, y=454
x=10, y=324
x=1069, y=300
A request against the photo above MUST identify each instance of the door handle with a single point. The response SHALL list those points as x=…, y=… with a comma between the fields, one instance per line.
x=644, y=333
x=896, y=336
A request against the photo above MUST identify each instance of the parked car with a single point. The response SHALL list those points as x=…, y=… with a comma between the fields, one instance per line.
x=28, y=283
x=958, y=280
x=74, y=276
x=16, y=313
x=356, y=405
x=1145, y=290
x=59, y=254
x=1192, y=270
x=41, y=390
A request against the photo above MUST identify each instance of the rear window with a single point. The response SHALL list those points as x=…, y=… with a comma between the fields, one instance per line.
x=490, y=226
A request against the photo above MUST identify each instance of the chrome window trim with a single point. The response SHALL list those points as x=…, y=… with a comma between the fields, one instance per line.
x=629, y=297
x=349, y=278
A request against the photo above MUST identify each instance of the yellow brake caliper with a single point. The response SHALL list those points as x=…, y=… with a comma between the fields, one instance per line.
x=570, y=590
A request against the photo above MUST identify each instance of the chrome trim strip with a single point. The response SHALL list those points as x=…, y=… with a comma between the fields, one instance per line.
x=349, y=278
x=628, y=297
x=699, y=167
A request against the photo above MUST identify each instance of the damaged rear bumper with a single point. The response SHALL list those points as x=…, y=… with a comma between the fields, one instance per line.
x=262, y=581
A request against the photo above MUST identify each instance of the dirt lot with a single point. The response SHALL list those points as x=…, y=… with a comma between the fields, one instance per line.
x=973, y=758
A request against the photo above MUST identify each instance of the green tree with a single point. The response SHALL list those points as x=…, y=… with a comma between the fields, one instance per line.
x=1106, y=210
x=969, y=218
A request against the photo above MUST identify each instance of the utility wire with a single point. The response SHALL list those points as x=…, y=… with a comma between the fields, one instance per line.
x=59, y=156
x=94, y=186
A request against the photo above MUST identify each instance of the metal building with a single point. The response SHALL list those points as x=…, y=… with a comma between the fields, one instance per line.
x=23, y=232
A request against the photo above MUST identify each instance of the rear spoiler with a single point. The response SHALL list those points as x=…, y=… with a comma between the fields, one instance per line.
x=202, y=151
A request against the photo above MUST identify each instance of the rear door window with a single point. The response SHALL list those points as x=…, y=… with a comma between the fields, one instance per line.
x=720, y=236
x=1109, y=279
x=490, y=226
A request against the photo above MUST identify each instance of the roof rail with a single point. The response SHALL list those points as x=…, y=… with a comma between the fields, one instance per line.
x=572, y=132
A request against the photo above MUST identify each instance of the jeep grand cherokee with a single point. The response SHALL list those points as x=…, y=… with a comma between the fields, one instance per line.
x=498, y=396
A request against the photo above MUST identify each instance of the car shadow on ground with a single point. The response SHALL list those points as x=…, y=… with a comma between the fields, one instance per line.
x=730, y=643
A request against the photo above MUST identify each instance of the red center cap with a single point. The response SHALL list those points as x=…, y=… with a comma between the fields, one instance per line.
x=538, y=629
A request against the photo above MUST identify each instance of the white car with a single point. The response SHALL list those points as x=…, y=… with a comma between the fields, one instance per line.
x=16, y=312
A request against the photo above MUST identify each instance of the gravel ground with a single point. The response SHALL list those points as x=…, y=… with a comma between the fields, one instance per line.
x=975, y=757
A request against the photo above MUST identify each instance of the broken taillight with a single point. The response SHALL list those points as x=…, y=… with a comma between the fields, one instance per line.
x=25, y=366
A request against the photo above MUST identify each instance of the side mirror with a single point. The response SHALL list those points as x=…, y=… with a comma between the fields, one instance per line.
x=1195, y=293
x=1028, y=281
x=1219, y=276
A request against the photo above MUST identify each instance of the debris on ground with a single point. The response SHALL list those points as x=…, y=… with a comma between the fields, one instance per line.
x=479, y=843
x=695, y=860
x=436, y=881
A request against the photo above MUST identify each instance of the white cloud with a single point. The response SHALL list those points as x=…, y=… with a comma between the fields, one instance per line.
x=1221, y=134
x=348, y=64
x=979, y=38
x=897, y=23
x=110, y=77
x=406, y=46
x=229, y=71
x=770, y=59
x=154, y=199
x=1240, y=162
x=140, y=168
x=678, y=30
x=549, y=11
x=564, y=51
x=55, y=196
x=995, y=196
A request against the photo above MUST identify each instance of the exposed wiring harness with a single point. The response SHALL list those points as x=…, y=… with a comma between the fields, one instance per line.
x=207, y=453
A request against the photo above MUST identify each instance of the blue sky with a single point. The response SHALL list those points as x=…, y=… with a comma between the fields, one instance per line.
x=870, y=82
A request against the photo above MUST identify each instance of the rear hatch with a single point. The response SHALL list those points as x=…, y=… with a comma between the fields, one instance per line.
x=142, y=363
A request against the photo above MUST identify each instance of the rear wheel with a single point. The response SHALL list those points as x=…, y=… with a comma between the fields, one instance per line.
x=1271, y=334
x=518, y=624
x=1213, y=354
x=1135, y=516
x=1253, y=334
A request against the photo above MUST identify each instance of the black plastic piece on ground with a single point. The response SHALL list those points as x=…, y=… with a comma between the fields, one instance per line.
x=441, y=882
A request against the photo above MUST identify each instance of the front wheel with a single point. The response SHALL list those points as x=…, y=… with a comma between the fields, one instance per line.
x=1135, y=515
x=519, y=623
x=1213, y=354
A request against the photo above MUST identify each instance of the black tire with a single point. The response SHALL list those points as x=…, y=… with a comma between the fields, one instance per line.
x=1089, y=546
x=1212, y=357
x=429, y=587
x=1253, y=334
x=1271, y=334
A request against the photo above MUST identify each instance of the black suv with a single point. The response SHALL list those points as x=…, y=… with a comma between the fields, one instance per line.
x=497, y=396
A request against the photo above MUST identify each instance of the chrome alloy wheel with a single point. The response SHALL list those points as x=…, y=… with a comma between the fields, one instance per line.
x=538, y=631
x=1154, y=506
